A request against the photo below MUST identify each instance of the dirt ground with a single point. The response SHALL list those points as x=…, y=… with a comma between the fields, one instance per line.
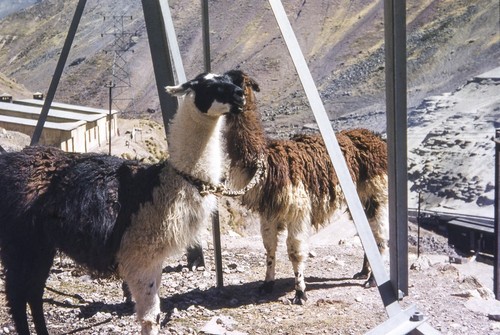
x=455, y=297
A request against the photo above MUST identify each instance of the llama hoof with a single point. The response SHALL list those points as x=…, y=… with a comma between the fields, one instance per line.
x=195, y=257
x=127, y=295
x=370, y=282
x=300, y=298
x=267, y=287
x=361, y=275
x=150, y=328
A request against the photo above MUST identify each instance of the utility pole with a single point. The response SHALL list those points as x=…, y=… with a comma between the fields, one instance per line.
x=110, y=85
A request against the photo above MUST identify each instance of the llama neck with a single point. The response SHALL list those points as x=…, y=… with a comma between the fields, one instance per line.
x=194, y=143
x=246, y=143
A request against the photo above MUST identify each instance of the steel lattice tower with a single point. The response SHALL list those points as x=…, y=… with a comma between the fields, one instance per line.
x=118, y=71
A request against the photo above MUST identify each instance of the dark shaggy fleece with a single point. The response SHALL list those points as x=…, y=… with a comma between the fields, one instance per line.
x=46, y=204
x=47, y=194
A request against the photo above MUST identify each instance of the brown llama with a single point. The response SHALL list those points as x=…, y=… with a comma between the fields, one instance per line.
x=300, y=187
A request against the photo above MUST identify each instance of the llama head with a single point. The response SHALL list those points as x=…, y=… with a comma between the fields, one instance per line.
x=212, y=94
x=247, y=83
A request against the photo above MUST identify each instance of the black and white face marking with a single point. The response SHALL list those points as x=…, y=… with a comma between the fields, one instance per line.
x=213, y=94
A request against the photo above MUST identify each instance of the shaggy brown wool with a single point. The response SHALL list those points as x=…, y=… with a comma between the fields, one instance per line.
x=301, y=187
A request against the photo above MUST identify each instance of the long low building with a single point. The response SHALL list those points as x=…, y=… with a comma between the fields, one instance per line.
x=73, y=128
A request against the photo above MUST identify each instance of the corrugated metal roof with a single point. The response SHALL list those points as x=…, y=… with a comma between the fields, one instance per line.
x=29, y=110
x=66, y=107
x=66, y=126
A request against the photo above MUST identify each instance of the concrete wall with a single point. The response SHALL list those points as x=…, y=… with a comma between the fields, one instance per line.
x=69, y=129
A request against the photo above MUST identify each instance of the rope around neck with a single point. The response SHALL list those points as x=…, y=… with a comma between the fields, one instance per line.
x=206, y=188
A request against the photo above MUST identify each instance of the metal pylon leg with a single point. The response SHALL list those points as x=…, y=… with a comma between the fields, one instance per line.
x=399, y=320
x=58, y=72
x=166, y=56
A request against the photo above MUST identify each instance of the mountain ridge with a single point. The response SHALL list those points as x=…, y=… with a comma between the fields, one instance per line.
x=448, y=42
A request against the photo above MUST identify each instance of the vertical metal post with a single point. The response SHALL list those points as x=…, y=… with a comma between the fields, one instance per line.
x=496, y=267
x=418, y=224
x=215, y=215
x=58, y=72
x=110, y=85
x=395, y=75
x=206, y=36
x=160, y=55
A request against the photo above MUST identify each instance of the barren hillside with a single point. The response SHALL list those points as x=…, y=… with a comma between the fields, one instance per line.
x=448, y=42
x=450, y=151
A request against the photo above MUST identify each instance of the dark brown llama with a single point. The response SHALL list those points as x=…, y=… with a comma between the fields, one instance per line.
x=300, y=188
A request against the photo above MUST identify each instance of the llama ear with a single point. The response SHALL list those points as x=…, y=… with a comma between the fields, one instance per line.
x=180, y=89
x=240, y=78
x=254, y=84
x=175, y=90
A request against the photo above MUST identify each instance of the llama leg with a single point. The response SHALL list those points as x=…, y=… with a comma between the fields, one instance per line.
x=14, y=262
x=269, y=233
x=144, y=285
x=376, y=213
x=297, y=253
x=365, y=270
x=40, y=267
x=26, y=274
x=126, y=293
x=381, y=244
x=195, y=256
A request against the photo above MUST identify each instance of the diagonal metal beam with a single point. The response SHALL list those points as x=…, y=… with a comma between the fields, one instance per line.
x=166, y=57
x=172, y=42
x=338, y=161
x=398, y=318
x=58, y=72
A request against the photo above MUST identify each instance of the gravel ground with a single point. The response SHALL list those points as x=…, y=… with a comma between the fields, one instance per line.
x=454, y=301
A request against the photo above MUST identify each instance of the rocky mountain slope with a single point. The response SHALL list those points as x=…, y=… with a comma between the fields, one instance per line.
x=451, y=149
x=448, y=42
x=12, y=6
x=451, y=123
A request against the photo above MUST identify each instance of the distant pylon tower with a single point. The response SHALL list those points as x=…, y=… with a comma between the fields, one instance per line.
x=119, y=73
